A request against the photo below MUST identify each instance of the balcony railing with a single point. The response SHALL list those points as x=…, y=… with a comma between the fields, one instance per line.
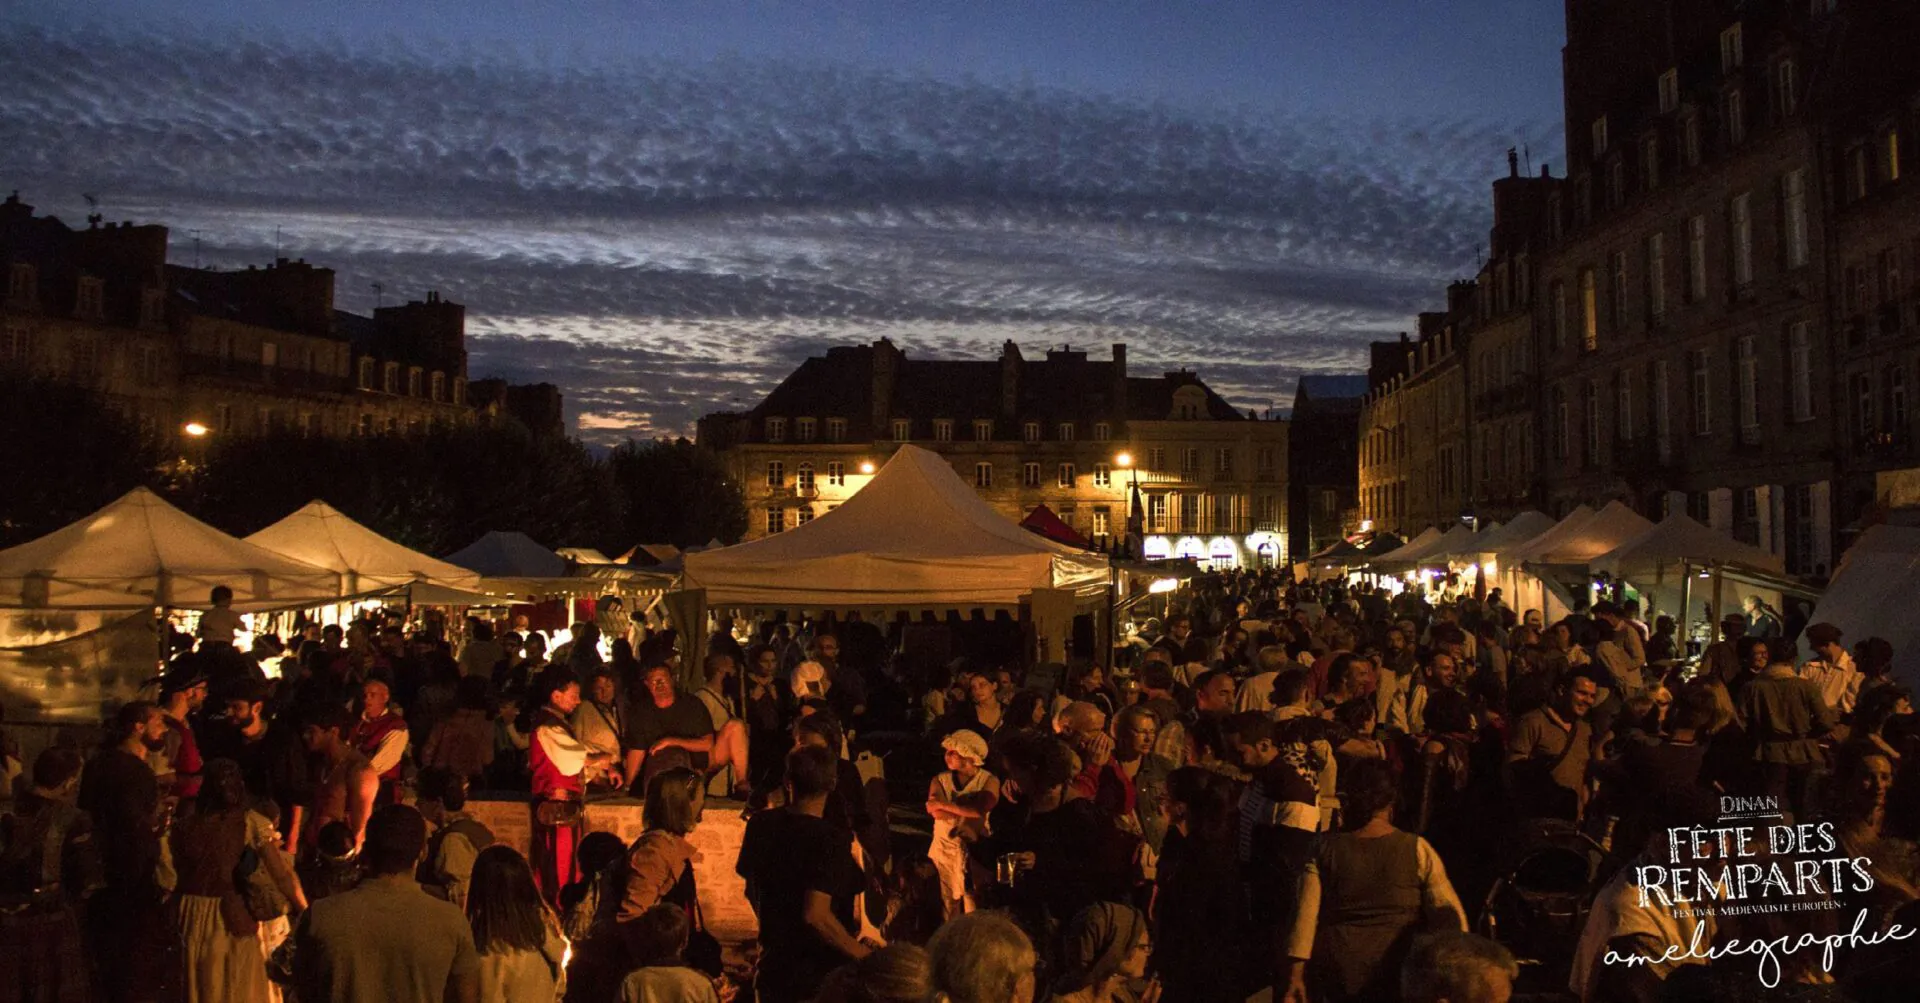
x=1885, y=445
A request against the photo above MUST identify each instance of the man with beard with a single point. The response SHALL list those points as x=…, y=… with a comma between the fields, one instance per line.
x=183, y=691
x=119, y=791
x=272, y=760
x=665, y=718
x=344, y=784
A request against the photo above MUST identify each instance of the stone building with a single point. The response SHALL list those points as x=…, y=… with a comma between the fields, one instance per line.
x=1413, y=430
x=1066, y=431
x=1322, y=485
x=226, y=353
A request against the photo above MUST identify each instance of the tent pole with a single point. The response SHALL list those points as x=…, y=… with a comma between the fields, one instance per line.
x=1719, y=615
x=1686, y=604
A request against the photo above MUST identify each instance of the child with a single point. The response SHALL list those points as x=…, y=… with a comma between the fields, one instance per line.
x=334, y=869
x=959, y=801
x=658, y=937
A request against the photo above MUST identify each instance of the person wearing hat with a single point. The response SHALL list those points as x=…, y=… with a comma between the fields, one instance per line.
x=183, y=691
x=1102, y=949
x=959, y=800
x=1831, y=668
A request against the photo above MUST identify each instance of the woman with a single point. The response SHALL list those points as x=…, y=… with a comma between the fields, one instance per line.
x=219, y=938
x=1027, y=711
x=959, y=801
x=1086, y=681
x=897, y=973
x=1360, y=904
x=1102, y=949
x=1199, y=938
x=522, y=952
x=982, y=957
x=983, y=715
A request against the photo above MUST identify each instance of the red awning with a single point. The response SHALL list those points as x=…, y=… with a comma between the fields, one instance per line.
x=1042, y=521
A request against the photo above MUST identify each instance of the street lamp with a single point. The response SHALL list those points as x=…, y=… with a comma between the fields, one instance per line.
x=195, y=429
x=866, y=466
x=1136, y=516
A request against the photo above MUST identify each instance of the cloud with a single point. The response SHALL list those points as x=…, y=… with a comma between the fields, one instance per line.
x=666, y=239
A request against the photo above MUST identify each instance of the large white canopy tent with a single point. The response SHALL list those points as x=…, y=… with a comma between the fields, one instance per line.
x=1663, y=561
x=77, y=628
x=1871, y=595
x=1595, y=535
x=1409, y=550
x=916, y=536
x=367, y=562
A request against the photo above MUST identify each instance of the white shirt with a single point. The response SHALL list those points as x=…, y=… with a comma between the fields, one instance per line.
x=1617, y=913
x=387, y=754
x=567, y=753
x=1839, y=681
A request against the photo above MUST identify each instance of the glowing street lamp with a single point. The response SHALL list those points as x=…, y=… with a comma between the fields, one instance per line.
x=195, y=429
x=866, y=466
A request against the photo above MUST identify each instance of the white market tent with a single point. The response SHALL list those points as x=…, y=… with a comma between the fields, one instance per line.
x=1678, y=540
x=1604, y=530
x=139, y=553
x=1519, y=529
x=367, y=562
x=916, y=536
x=509, y=555
x=1513, y=553
x=1453, y=541
x=1410, y=550
x=1871, y=595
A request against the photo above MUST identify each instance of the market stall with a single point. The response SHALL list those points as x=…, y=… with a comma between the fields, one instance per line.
x=1871, y=595
x=1693, y=573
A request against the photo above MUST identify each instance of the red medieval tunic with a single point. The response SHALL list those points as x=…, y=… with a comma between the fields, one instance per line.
x=557, y=760
x=383, y=740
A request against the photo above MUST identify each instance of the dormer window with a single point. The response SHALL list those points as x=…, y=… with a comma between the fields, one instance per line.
x=366, y=374
x=983, y=430
x=460, y=390
x=438, y=384
x=1066, y=431
x=1031, y=431
x=1599, y=137
x=902, y=429
x=804, y=429
x=90, y=304
x=836, y=429
x=1732, y=53
x=943, y=429
x=1102, y=431
x=413, y=381
x=390, y=377
x=776, y=429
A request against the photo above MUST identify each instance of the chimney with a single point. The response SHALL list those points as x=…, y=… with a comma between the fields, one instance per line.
x=1513, y=162
x=1009, y=380
x=1117, y=392
x=886, y=370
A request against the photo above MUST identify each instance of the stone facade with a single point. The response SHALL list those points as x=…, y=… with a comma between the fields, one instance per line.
x=1071, y=433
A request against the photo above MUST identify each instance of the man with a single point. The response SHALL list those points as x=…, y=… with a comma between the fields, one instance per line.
x=1786, y=714
x=1455, y=967
x=1179, y=643
x=1832, y=669
x=381, y=736
x=183, y=691
x=387, y=941
x=482, y=652
x=1279, y=816
x=1212, y=704
x=1156, y=695
x=1761, y=621
x=273, y=761
x=119, y=792
x=717, y=694
x=1722, y=656
x=1267, y=666
x=1625, y=636
x=802, y=882
x=49, y=864
x=600, y=722
x=559, y=763
x=665, y=718
x=846, y=687
x=1549, y=750
x=345, y=785
x=457, y=837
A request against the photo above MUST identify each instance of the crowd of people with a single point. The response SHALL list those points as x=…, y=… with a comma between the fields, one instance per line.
x=1315, y=790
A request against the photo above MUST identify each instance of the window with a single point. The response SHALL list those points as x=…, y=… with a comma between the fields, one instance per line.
x=366, y=424
x=1589, y=312
x=83, y=360
x=1793, y=217
x=1263, y=459
x=776, y=474
x=1189, y=513
x=1669, y=91
x=1619, y=290
x=1156, y=513
x=1890, y=155
x=1591, y=412
x=1066, y=475
x=20, y=284
x=1856, y=173
x=1102, y=431
x=366, y=374
x=460, y=390
x=1732, y=55
x=1696, y=258
x=1690, y=141
x=1223, y=462
x=776, y=429
x=776, y=521
x=1786, y=88
x=1800, y=371
x=1656, y=275
x=1522, y=294
x=413, y=381
x=390, y=377
x=1887, y=270
x=1897, y=401
x=1189, y=463
x=1748, y=400
x=803, y=515
x=902, y=429
x=1102, y=521
x=805, y=429
x=803, y=477
x=264, y=420
x=1102, y=475
x=983, y=475
x=1740, y=226
x=269, y=354
x=1650, y=163
x=943, y=429
x=223, y=418
x=836, y=474
x=836, y=429
x=1702, y=394
x=1623, y=405
x=1030, y=475
x=1736, y=118
x=1066, y=431
x=1557, y=319
x=91, y=302
x=1030, y=431
x=983, y=430
x=1599, y=135
x=1157, y=458
x=1863, y=404
x=438, y=385
x=1616, y=182
x=1562, y=426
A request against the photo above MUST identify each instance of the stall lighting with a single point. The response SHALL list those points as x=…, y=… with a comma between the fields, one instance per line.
x=195, y=429
x=1163, y=585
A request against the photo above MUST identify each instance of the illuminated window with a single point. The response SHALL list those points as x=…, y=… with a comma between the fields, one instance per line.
x=776, y=474
x=803, y=477
x=1030, y=475
x=1066, y=475
x=1102, y=475
x=776, y=520
x=836, y=474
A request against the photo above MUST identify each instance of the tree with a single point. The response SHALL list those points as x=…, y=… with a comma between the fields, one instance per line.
x=676, y=492
x=73, y=454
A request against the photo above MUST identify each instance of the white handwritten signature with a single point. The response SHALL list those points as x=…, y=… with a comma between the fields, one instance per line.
x=1768, y=951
